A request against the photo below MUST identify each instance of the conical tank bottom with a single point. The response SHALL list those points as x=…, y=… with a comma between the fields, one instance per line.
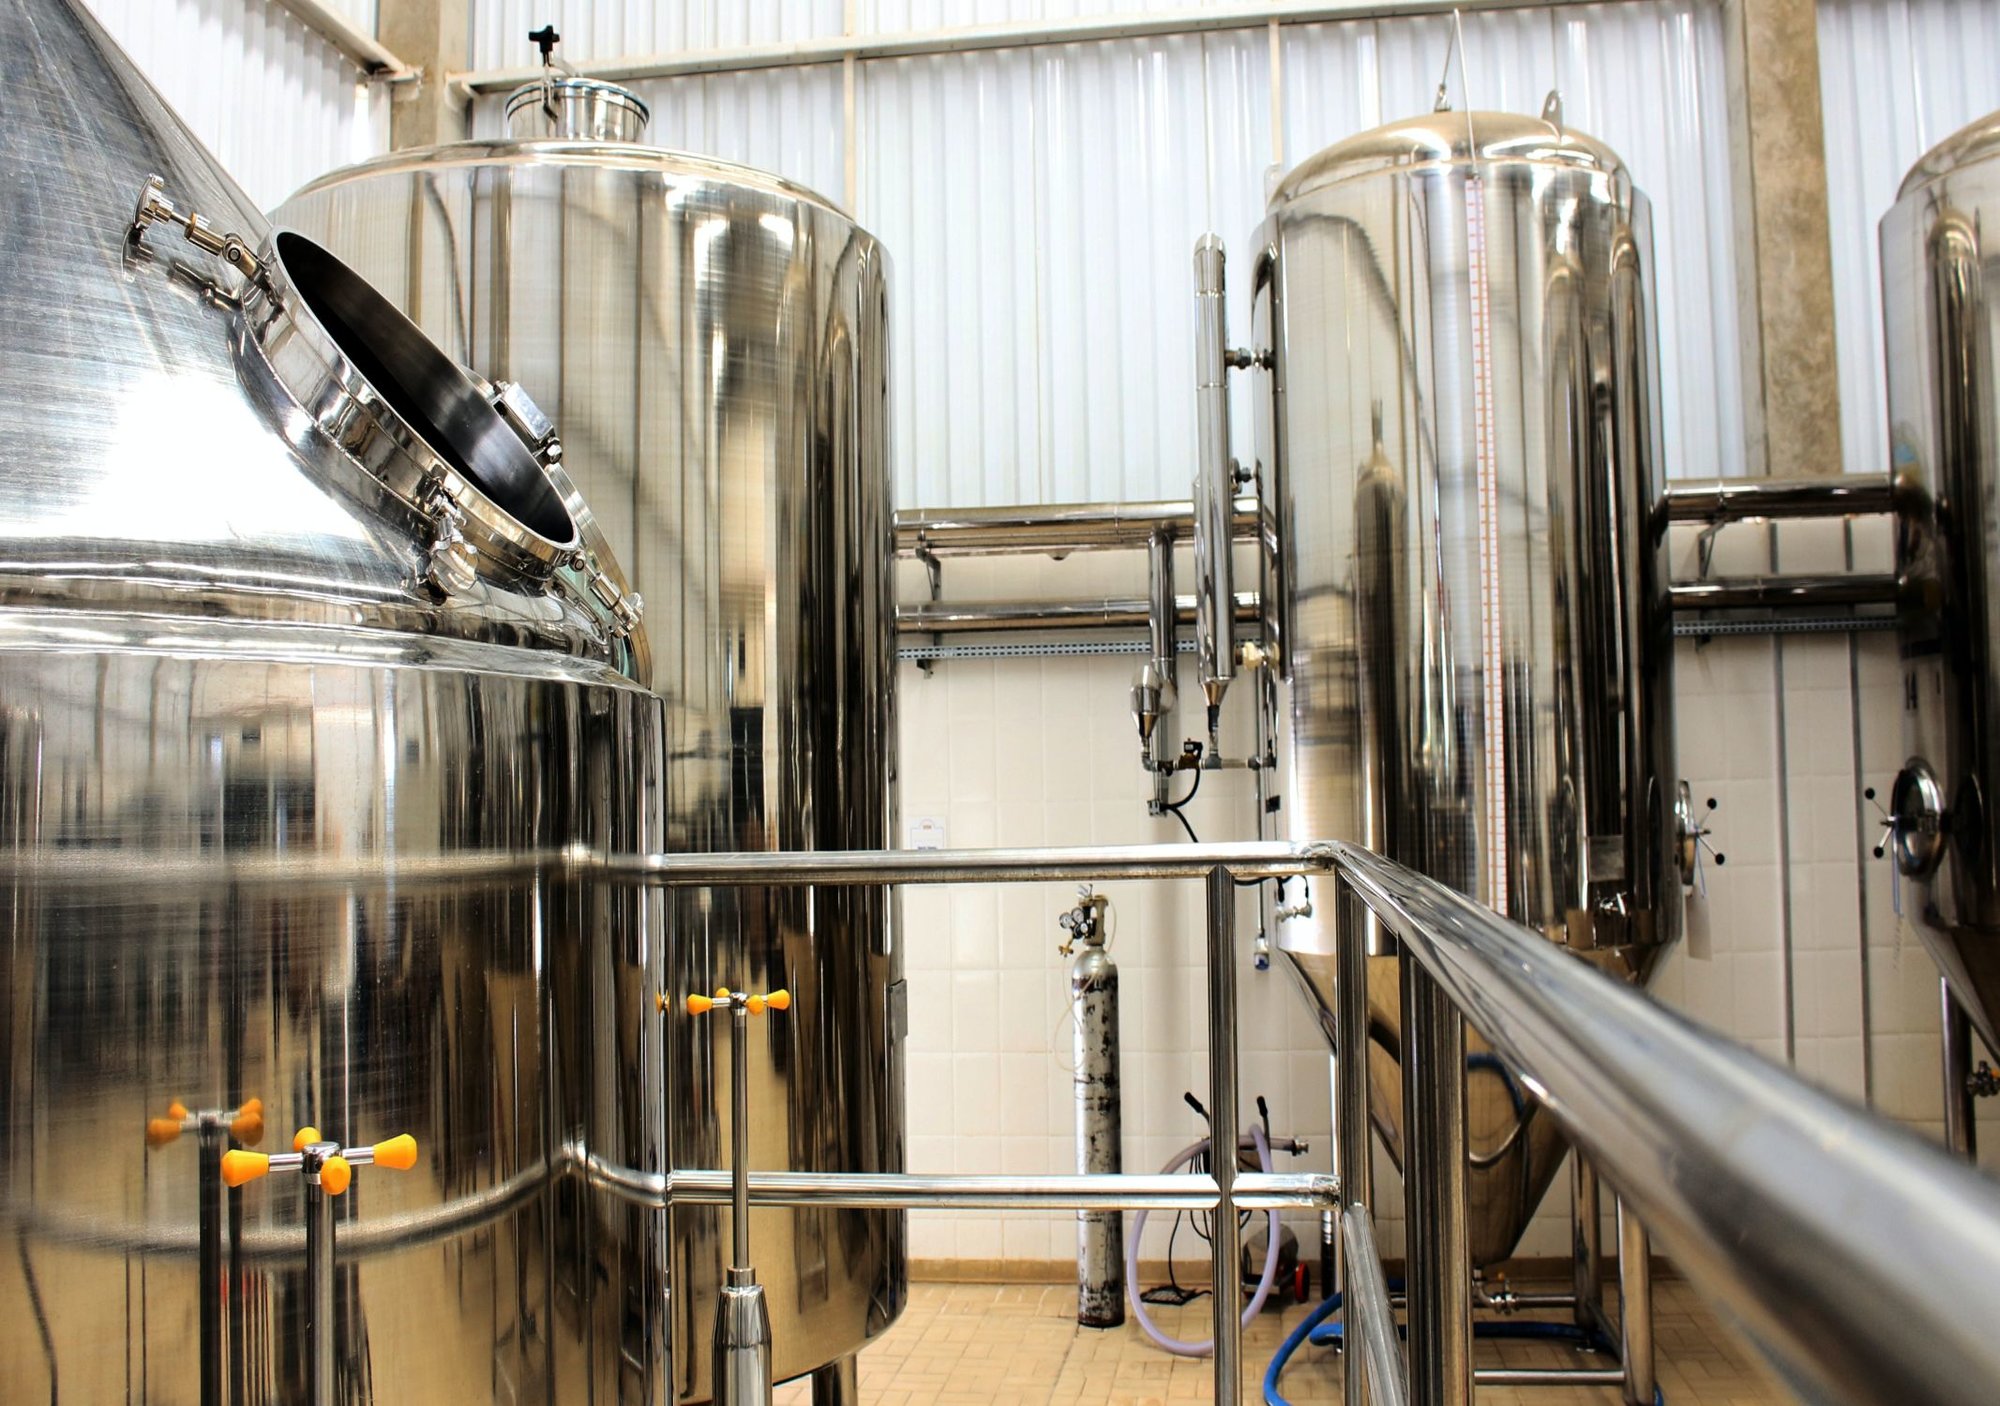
x=1969, y=958
x=1514, y=1147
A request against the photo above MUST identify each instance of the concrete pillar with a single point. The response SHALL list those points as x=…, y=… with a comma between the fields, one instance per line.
x=434, y=37
x=1784, y=259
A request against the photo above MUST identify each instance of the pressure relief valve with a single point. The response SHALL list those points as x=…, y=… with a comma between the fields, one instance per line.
x=742, y=1321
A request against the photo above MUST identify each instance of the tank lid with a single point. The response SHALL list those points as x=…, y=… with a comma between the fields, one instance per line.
x=567, y=108
x=1439, y=138
x=1968, y=146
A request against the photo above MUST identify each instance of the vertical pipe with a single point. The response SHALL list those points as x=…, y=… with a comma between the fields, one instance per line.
x=1635, y=1308
x=319, y=1285
x=1223, y=1123
x=211, y=1137
x=1586, y=1244
x=1163, y=621
x=1352, y=1138
x=1956, y=1032
x=1439, y=1274
x=1215, y=482
x=739, y=1132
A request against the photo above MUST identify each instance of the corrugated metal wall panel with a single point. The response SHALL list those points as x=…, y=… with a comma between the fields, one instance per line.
x=896, y=16
x=593, y=29
x=1896, y=77
x=277, y=103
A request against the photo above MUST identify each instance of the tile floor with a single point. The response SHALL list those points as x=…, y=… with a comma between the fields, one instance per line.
x=973, y=1344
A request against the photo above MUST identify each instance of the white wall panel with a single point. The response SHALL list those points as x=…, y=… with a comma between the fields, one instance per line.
x=1896, y=78
x=277, y=103
x=946, y=170
x=595, y=29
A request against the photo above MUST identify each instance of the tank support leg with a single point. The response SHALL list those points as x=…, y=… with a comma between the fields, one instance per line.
x=1587, y=1248
x=1957, y=1055
x=834, y=1384
x=1438, y=1278
x=1635, y=1308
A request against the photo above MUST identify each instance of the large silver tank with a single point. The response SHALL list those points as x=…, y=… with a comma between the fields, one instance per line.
x=1461, y=445
x=303, y=693
x=712, y=340
x=1944, y=393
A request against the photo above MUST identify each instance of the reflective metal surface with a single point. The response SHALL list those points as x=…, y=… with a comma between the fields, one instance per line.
x=1770, y=1195
x=711, y=341
x=218, y=650
x=1459, y=443
x=1944, y=391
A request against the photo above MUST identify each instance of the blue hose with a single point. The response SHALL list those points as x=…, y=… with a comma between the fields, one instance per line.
x=1291, y=1345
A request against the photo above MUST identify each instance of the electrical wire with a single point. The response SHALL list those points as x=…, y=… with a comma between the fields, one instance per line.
x=1175, y=808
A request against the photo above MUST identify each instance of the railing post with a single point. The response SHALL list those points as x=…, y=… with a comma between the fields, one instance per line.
x=1354, y=1138
x=1587, y=1246
x=1438, y=1279
x=1635, y=1307
x=1224, y=1238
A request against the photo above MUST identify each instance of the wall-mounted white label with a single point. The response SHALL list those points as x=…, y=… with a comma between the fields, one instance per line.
x=924, y=832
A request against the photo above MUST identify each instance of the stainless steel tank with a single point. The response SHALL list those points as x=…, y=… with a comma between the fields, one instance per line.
x=312, y=667
x=712, y=341
x=1944, y=394
x=1459, y=449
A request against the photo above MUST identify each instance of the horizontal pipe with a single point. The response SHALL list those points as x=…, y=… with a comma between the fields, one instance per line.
x=1256, y=859
x=1784, y=592
x=1771, y=1196
x=985, y=617
x=1101, y=1191
x=972, y=38
x=1734, y=499
x=363, y=49
x=1368, y=1315
x=1549, y=1376
x=169, y=871
x=1055, y=529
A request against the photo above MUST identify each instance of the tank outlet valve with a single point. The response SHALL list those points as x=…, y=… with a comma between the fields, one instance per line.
x=742, y=1319
x=328, y=1169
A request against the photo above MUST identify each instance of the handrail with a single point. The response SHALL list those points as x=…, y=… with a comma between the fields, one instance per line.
x=1862, y=1261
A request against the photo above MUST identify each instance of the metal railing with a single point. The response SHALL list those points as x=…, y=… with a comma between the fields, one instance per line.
x=1861, y=1260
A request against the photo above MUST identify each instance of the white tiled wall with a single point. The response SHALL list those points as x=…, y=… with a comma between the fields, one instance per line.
x=1793, y=947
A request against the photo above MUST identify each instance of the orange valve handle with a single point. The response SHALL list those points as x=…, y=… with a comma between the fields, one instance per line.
x=700, y=1005
x=779, y=1000
x=398, y=1154
x=305, y=1137
x=335, y=1174
x=161, y=1131
x=248, y=1124
x=239, y=1166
